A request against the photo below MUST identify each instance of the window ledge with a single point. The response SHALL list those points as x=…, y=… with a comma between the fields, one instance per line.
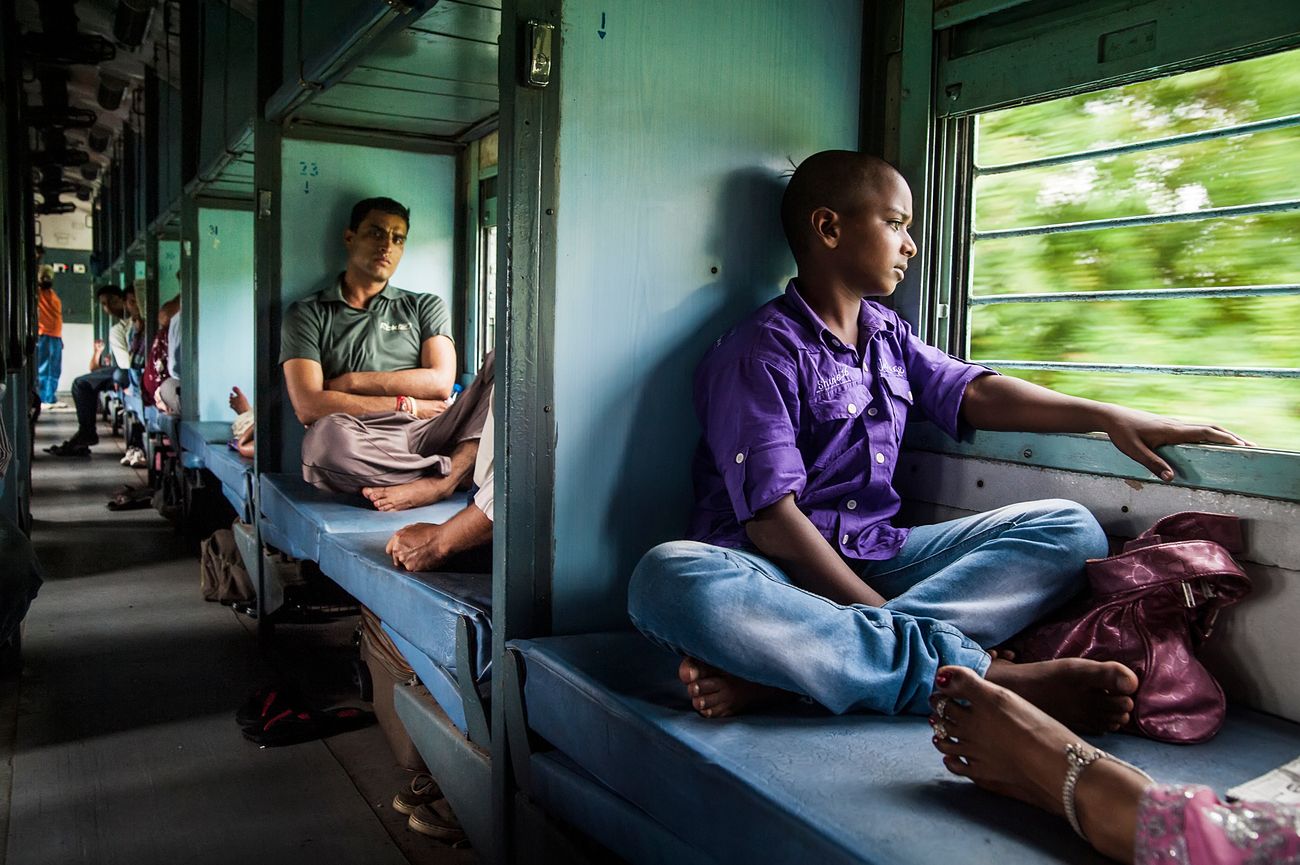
x=1248, y=471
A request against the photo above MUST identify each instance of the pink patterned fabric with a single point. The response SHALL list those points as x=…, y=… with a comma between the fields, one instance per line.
x=1190, y=826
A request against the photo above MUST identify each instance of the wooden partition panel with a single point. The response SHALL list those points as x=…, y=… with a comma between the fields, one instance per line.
x=224, y=246
x=678, y=121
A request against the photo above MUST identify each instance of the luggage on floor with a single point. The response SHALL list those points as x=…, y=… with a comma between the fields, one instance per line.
x=222, y=575
x=387, y=669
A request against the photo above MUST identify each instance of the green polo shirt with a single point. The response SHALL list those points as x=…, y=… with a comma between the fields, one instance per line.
x=384, y=337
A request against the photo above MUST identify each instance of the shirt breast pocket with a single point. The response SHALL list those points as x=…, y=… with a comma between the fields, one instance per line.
x=832, y=416
x=900, y=394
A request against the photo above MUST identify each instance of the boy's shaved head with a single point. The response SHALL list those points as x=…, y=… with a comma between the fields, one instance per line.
x=841, y=180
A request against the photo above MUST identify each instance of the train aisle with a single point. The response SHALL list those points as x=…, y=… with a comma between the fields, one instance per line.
x=124, y=744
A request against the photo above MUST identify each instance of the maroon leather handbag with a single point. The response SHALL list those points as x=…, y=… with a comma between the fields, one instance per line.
x=1151, y=607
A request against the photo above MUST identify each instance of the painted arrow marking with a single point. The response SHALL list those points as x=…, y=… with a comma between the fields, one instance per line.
x=601, y=31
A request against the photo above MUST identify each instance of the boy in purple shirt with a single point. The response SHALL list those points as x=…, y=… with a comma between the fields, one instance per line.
x=795, y=580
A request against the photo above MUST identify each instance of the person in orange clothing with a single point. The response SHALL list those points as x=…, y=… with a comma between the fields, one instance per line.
x=49, y=341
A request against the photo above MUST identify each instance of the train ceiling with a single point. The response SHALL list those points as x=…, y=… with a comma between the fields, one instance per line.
x=84, y=67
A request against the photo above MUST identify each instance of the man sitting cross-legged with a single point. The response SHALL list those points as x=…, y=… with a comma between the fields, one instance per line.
x=796, y=578
x=464, y=542
x=369, y=369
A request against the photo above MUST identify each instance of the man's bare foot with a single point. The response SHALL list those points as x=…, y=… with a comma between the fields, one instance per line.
x=715, y=694
x=415, y=494
x=1088, y=696
x=1007, y=746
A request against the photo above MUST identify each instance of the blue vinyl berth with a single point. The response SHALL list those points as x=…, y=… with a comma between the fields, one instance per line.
x=595, y=193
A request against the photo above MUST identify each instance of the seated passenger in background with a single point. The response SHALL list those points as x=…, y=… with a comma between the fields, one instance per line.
x=464, y=542
x=796, y=578
x=241, y=429
x=105, y=371
x=162, y=383
x=369, y=369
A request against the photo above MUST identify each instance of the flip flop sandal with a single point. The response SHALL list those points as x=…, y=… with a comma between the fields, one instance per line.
x=291, y=728
x=266, y=702
x=67, y=450
x=129, y=503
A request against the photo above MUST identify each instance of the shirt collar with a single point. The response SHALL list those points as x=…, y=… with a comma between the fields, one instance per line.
x=870, y=318
x=335, y=291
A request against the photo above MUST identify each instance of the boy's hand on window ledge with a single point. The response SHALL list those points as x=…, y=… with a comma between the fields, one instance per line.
x=1137, y=434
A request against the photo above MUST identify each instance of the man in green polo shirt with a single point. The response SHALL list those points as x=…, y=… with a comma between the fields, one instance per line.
x=369, y=369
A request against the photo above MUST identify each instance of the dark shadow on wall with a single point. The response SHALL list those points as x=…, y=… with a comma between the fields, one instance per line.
x=653, y=490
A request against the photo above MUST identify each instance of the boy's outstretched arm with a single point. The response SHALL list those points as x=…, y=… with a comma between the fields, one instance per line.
x=785, y=535
x=999, y=402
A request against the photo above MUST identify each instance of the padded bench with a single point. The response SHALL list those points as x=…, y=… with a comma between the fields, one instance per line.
x=433, y=618
x=296, y=515
x=795, y=784
x=196, y=435
x=203, y=446
x=422, y=613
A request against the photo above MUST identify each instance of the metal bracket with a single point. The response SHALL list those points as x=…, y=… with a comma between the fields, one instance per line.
x=539, y=36
x=518, y=738
x=475, y=714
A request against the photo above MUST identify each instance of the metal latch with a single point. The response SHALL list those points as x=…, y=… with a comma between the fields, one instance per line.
x=539, y=53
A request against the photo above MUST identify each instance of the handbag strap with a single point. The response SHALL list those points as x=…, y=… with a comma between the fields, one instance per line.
x=1204, y=572
x=1223, y=529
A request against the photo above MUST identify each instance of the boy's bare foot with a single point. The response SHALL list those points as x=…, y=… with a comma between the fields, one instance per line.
x=715, y=694
x=415, y=494
x=1088, y=696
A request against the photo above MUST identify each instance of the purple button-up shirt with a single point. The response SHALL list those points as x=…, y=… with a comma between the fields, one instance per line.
x=788, y=408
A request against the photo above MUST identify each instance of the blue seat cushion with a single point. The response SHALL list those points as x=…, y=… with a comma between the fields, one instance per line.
x=133, y=402
x=197, y=434
x=296, y=514
x=440, y=681
x=160, y=422
x=578, y=799
x=797, y=784
x=421, y=608
x=234, y=472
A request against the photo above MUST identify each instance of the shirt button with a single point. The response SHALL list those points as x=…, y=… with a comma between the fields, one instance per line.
x=845, y=540
x=853, y=409
x=880, y=458
x=872, y=411
x=851, y=504
x=740, y=458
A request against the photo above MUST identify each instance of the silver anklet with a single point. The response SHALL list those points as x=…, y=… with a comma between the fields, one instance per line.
x=1080, y=757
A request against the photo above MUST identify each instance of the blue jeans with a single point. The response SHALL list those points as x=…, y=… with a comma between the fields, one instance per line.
x=49, y=366
x=953, y=588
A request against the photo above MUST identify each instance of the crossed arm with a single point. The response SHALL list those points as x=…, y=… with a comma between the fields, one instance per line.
x=784, y=533
x=359, y=393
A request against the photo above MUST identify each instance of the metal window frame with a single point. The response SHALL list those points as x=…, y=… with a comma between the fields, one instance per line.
x=941, y=313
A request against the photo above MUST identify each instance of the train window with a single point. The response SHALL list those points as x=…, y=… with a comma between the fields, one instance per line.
x=1138, y=244
x=487, y=281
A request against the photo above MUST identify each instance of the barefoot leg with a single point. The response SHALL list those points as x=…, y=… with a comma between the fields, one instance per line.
x=415, y=494
x=1007, y=746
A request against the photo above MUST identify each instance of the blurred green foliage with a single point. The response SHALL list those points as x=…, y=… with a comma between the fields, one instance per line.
x=1238, y=251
